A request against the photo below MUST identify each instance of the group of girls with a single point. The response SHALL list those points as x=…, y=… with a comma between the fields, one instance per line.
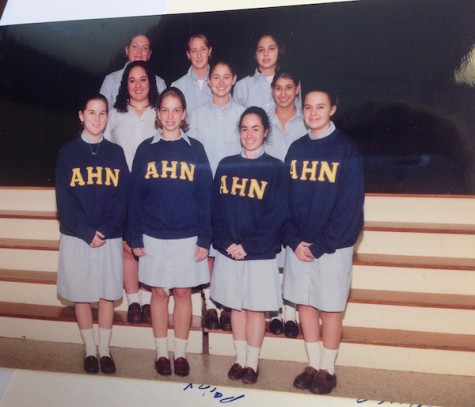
x=215, y=201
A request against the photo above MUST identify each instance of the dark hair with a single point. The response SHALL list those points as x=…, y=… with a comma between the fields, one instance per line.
x=331, y=95
x=258, y=111
x=286, y=74
x=175, y=92
x=279, y=41
x=123, y=96
x=96, y=96
x=201, y=36
x=139, y=35
x=215, y=64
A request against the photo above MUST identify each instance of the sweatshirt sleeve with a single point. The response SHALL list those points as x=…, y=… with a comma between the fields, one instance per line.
x=203, y=196
x=135, y=232
x=221, y=239
x=72, y=216
x=346, y=219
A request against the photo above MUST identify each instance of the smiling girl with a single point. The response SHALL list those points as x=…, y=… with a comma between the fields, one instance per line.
x=170, y=224
x=250, y=204
x=92, y=183
x=325, y=220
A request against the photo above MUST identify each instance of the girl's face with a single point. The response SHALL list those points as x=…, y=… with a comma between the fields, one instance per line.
x=221, y=80
x=138, y=84
x=252, y=133
x=267, y=53
x=171, y=114
x=284, y=92
x=317, y=112
x=94, y=117
x=198, y=53
x=138, y=49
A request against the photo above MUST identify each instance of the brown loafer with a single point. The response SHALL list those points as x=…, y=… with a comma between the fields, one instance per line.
x=291, y=329
x=146, y=314
x=181, y=366
x=225, y=320
x=250, y=375
x=323, y=383
x=107, y=365
x=163, y=366
x=134, y=313
x=236, y=372
x=304, y=380
x=210, y=320
x=91, y=364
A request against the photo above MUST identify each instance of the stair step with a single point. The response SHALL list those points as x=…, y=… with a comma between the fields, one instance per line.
x=67, y=314
x=21, y=214
x=412, y=299
x=363, y=296
x=415, y=227
x=391, y=260
x=420, y=227
x=29, y=244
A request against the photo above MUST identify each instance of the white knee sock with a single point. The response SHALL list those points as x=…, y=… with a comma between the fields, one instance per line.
x=104, y=341
x=134, y=297
x=241, y=352
x=208, y=302
x=180, y=348
x=328, y=360
x=313, y=353
x=290, y=312
x=145, y=297
x=87, y=336
x=252, y=357
x=161, y=345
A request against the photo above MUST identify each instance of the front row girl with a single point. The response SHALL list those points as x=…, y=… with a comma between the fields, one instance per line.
x=250, y=205
x=170, y=224
x=325, y=220
x=92, y=183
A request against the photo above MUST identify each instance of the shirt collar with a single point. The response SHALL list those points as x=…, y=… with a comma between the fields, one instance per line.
x=258, y=153
x=330, y=130
x=158, y=137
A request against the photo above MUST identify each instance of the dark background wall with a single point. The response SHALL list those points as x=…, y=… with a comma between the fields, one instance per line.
x=404, y=71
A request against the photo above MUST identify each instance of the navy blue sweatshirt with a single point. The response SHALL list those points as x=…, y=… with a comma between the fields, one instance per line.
x=326, y=193
x=171, y=191
x=250, y=205
x=92, y=190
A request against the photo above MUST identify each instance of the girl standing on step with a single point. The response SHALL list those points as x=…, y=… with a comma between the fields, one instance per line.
x=215, y=125
x=131, y=121
x=250, y=205
x=170, y=224
x=325, y=220
x=92, y=184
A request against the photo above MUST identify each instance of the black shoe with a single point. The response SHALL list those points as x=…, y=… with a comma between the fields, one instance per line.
x=107, y=365
x=146, y=314
x=91, y=365
x=134, y=314
x=291, y=329
x=276, y=326
x=210, y=320
x=225, y=320
x=304, y=380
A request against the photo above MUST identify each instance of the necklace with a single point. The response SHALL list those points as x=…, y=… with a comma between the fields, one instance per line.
x=98, y=147
x=138, y=107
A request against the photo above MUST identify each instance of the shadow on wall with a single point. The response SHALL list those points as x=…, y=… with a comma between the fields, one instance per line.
x=410, y=149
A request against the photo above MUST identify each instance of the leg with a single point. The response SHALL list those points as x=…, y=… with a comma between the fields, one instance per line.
x=182, y=314
x=310, y=323
x=211, y=318
x=239, y=329
x=159, y=310
x=84, y=319
x=106, y=318
x=131, y=284
x=255, y=329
